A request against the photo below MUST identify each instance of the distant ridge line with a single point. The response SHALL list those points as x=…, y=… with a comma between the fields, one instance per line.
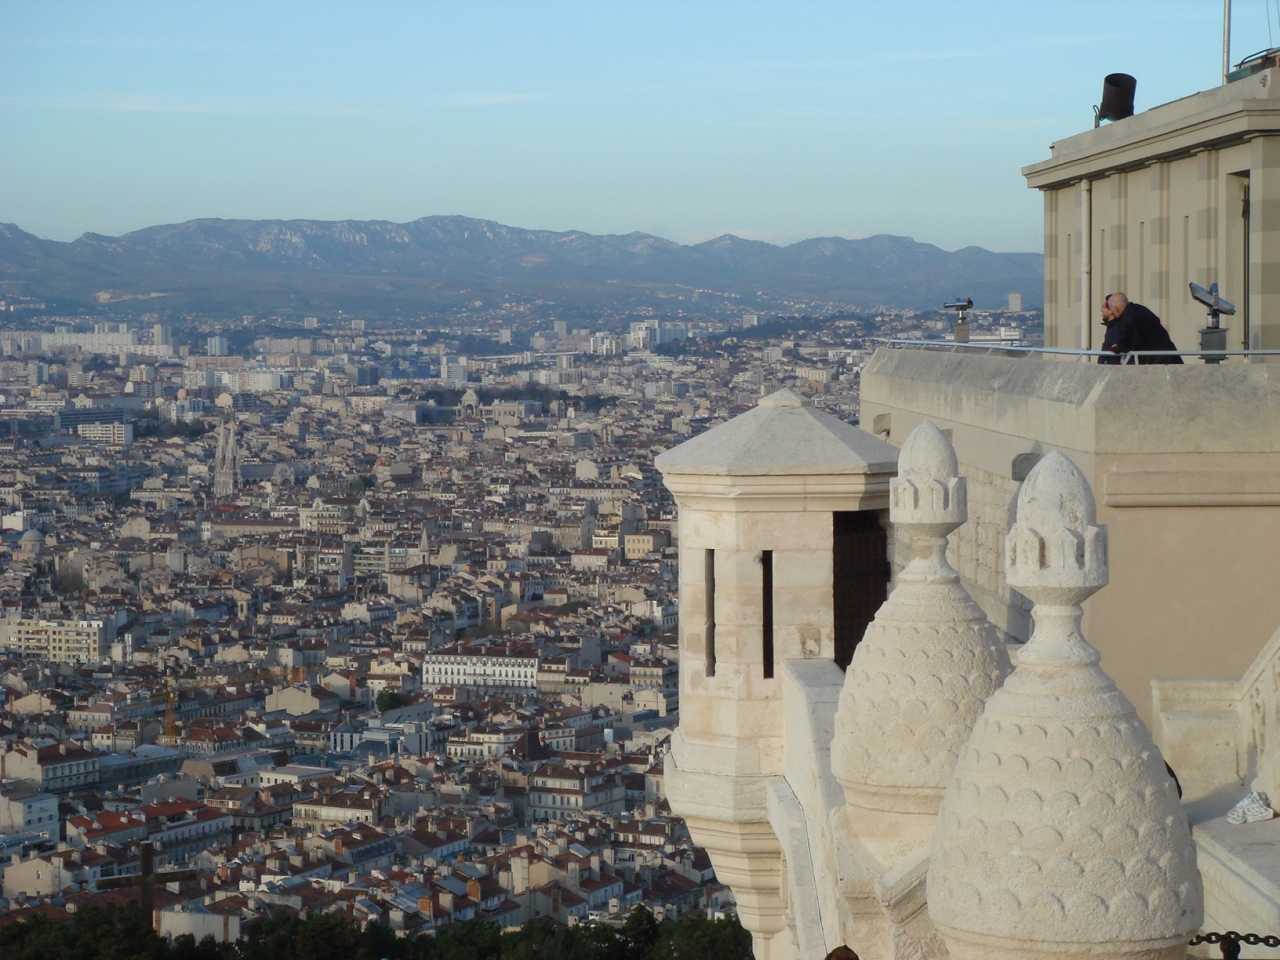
x=379, y=265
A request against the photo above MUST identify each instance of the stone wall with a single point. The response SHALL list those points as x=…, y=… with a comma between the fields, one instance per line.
x=1186, y=464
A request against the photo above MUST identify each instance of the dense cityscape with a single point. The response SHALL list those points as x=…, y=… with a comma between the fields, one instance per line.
x=368, y=621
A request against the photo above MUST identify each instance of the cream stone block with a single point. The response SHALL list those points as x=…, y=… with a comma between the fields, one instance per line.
x=1199, y=731
x=1241, y=878
x=805, y=641
x=778, y=531
x=797, y=605
x=802, y=569
x=745, y=719
x=711, y=796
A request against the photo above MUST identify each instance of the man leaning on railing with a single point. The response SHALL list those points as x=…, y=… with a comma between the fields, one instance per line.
x=1130, y=327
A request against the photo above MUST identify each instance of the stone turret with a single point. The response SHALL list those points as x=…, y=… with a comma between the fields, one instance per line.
x=917, y=683
x=1061, y=834
x=763, y=500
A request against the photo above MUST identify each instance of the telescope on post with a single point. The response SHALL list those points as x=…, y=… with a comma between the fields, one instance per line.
x=962, y=325
x=1214, y=335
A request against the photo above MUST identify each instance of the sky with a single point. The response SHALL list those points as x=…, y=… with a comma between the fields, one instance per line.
x=774, y=121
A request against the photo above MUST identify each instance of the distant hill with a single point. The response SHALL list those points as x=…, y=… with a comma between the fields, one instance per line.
x=438, y=265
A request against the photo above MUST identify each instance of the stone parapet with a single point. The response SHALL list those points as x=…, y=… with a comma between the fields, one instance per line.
x=1185, y=459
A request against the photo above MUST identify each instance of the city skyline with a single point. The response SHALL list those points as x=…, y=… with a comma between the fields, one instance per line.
x=770, y=123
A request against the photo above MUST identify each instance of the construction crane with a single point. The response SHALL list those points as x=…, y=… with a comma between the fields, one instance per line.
x=171, y=710
x=169, y=697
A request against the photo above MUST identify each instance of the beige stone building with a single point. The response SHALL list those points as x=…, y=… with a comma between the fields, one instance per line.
x=1185, y=461
x=1187, y=191
x=1103, y=522
x=822, y=795
x=773, y=506
x=61, y=641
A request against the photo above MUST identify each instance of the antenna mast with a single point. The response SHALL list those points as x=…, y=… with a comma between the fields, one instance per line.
x=1226, y=39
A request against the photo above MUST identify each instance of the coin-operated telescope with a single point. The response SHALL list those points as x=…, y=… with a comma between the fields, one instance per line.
x=962, y=325
x=1214, y=335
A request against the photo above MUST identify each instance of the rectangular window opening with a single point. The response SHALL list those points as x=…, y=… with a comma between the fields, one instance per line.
x=859, y=577
x=766, y=588
x=709, y=586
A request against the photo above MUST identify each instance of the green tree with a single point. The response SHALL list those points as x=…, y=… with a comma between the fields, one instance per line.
x=544, y=938
x=641, y=931
x=694, y=937
x=122, y=933
x=469, y=940
x=390, y=700
x=94, y=934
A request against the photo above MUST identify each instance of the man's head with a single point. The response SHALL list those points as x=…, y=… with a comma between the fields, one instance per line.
x=1117, y=303
x=1107, y=315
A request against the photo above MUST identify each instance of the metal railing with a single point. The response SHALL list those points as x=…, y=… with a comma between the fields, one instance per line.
x=1231, y=941
x=1129, y=358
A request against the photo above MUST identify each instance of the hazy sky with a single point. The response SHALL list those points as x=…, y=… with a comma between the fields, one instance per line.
x=777, y=121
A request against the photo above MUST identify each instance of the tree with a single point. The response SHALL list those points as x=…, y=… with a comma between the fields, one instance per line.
x=544, y=938
x=641, y=932
x=390, y=700
x=123, y=933
x=694, y=937
x=469, y=940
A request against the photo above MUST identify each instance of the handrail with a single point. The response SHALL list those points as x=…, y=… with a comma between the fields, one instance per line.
x=1125, y=358
x=997, y=346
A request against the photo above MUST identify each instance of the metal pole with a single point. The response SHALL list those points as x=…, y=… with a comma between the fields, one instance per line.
x=1086, y=260
x=1226, y=39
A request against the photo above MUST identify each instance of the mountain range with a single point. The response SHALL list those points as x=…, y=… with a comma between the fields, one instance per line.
x=443, y=264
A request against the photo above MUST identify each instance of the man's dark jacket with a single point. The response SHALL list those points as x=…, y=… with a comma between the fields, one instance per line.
x=1137, y=328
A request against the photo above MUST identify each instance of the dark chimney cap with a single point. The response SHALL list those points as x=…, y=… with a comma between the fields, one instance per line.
x=1117, y=97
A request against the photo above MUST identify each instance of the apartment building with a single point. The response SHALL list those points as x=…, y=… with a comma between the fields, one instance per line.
x=112, y=434
x=61, y=641
x=483, y=665
x=51, y=765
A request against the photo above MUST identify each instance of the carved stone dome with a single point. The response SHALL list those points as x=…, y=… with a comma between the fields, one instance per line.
x=1061, y=834
x=928, y=455
x=930, y=658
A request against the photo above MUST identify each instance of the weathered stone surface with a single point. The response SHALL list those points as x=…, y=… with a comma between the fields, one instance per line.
x=928, y=661
x=1061, y=833
x=781, y=436
x=1185, y=461
x=767, y=480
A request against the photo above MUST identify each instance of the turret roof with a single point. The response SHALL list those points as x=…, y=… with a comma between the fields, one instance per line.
x=781, y=435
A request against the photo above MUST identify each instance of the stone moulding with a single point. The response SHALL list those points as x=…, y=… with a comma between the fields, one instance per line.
x=1182, y=488
x=818, y=493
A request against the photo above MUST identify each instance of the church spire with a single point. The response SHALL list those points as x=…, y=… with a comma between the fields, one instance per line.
x=226, y=470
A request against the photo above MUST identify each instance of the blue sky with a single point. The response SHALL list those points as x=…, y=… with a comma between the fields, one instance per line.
x=777, y=121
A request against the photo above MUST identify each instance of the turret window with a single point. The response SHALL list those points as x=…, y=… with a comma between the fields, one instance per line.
x=766, y=612
x=709, y=589
x=859, y=577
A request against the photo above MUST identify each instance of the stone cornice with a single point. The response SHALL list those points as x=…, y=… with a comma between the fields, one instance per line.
x=1214, y=118
x=774, y=494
